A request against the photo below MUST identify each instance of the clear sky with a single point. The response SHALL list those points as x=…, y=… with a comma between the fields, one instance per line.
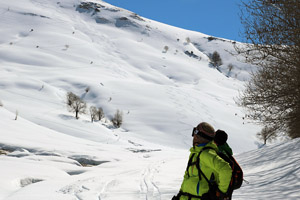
x=218, y=18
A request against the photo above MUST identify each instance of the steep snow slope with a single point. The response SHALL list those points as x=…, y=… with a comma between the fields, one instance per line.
x=158, y=75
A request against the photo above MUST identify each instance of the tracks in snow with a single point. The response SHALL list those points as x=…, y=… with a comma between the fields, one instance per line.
x=137, y=183
x=148, y=189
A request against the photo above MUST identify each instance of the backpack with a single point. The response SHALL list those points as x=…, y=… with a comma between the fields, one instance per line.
x=237, y=172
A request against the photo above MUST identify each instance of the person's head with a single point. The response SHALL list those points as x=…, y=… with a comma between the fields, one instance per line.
x=220, y=137
x=203, y=133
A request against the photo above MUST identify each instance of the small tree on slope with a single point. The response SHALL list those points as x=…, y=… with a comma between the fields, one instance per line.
x=216, y=60
x=75, y=104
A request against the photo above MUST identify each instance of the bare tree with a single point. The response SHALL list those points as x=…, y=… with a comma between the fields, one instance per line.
x=100, y=113
x=272, y=96
x=267, y=134
x=117, y=120
x=75, y=104
x=93, y=113
x=70, y=98
x=96, y=113
x=230, y=67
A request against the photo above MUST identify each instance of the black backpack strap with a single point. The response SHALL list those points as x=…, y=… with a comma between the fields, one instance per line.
x=189, y=164
x=190, y=196
x=212, y=186
x=200, y=172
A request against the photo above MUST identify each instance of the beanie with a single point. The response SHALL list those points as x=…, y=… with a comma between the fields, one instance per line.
x=221, y=137
x=206, y=130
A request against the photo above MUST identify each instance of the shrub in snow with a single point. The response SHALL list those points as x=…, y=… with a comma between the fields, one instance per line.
x=117, y=120
x=17, y=113
x=1, y=104
x=230, y=67
x=87, y=89
x=66, y=47
x=188, y=40
x=75, y=104
x=210, y=38
x=166, y=48
x=100, y=113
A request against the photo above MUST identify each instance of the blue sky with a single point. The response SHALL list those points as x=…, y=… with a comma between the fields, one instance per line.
x=219, y=18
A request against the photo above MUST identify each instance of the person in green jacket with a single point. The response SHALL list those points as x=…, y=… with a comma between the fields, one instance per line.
x=204, y=166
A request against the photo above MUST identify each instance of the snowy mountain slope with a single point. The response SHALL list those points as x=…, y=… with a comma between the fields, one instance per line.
x=158, y=75
x=49, y=48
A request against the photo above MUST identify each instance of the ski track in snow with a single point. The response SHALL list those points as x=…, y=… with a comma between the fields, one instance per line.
x=148, y=189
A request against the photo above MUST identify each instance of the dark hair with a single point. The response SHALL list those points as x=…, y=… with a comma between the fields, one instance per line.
x=220, y=137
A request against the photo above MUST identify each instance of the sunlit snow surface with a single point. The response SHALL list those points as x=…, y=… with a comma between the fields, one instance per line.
x=159, y=76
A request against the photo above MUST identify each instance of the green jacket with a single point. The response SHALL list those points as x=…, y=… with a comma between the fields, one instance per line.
x=210, y=163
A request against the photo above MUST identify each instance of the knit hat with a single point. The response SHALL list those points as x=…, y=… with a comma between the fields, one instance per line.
x=205, y=130
x=220, y=137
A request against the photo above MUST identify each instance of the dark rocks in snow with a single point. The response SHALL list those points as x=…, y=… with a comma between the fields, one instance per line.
x=5, y=149
x=191, y=54
x=112, y=9
x=3, y=152
x=89, y=7
x=27, y=181
x=94, y=9
x=210, y=38
x=125, y=22
x=75, y=172
x=87, y=162
x=135, y=144
x=136, y=16
x=142, y=150
x=34, y=15
x=102, y=20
